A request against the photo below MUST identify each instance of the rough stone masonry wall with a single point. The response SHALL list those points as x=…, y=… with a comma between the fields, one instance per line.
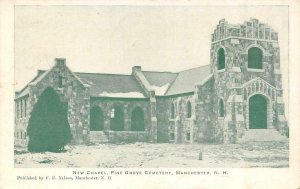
x=21, y=121
x=180, y=125
x=207, y=128
x=236, y=40
x=128, y=105
x=73, y=93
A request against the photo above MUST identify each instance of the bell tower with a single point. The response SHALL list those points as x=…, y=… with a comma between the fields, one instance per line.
x=245, y=61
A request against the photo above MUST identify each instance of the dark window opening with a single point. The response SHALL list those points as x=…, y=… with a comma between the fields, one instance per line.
x=255, y=57
x=188, y=136
x=221, y=108
x=221, y=59
x=25, y=107
x=172, y=111
x=189, y=109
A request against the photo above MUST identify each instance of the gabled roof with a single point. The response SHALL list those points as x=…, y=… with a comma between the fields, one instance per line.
x=160, y=81
x=160, y=78
x=126, y=86
x=112, y=85
x=186, y=80
x=25, y=91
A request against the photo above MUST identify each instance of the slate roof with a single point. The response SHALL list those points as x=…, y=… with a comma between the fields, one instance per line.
x=112, y=85
x=186, y=80
x=126, y=86
x=160, y=78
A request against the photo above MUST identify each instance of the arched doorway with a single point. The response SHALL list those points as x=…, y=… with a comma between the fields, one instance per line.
x=117, y=119
x=137, y=120
x=258, y=112
x=96, y=119
x=48, y=128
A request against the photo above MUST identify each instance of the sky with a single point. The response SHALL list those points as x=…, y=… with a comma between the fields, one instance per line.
x=112, y=39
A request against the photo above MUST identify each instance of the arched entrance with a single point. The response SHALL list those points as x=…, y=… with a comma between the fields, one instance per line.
x=48, y=128
x=117, y=119
x=137, y=120
x=96, y=119
x=258, y=112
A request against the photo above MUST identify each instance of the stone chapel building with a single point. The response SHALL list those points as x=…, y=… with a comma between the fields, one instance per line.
x=236, y=98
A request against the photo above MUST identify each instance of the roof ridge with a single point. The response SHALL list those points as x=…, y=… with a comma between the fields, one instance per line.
x=102, y=73
x=195, y=68
x=160, y=71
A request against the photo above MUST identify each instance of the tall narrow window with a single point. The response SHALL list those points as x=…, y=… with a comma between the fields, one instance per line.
x=221, y=108
x=172, y=111
x=189, y=109
x=21, y=109
x=25, y=107
x=255, y=57
x=221, y=59
x=60, y=81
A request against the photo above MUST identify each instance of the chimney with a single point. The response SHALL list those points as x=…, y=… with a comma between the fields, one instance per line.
x=60, y=61
x=40, y=72
x=136, y=69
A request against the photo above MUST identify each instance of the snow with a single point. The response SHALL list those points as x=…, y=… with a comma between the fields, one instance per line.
x=123, y=95
x=160, y=90
x=251, y=154
x=89, y=82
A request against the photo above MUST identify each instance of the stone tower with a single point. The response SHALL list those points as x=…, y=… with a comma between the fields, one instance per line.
x=245, y=62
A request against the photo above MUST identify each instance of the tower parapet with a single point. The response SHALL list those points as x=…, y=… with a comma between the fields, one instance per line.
x=251, y=29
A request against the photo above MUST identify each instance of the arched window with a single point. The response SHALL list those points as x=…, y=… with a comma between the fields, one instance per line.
x=189, y=109
x=96, y=119
x=137, y=119
x=117, y=119
x=172, y=111
x=221, y=59
x=255, y=57
x=221, y=108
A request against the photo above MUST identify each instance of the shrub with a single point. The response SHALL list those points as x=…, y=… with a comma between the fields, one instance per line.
x=48, y=128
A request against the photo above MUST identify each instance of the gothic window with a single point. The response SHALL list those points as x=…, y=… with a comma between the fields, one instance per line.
x=137, y=119
x=172, y=111
x=189, y=109
x=221, y=108
x=221, y=59
x=255, y=57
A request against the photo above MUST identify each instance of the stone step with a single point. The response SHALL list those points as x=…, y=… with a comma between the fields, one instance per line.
x=260, y=135
x=97, y=137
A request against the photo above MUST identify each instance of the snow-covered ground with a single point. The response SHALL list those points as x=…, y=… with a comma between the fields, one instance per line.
x=254, y=154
